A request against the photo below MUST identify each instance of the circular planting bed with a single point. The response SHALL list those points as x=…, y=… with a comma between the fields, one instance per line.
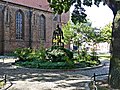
x=54, y=58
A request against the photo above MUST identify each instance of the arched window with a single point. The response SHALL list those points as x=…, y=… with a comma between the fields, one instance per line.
x=42, y=27
x=19, y=25
x=7, y=17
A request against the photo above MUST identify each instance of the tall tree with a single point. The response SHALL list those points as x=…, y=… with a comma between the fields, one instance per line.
x=78, y=15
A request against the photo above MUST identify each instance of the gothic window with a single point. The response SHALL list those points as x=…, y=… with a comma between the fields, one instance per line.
x=34, y=19
x=19, y=24
x=42, y=27
x=7, y=16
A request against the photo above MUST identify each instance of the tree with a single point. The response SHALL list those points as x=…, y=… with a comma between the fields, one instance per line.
x=78, y=33
x=78, y=15
x=68, y=33
x=106, y=33
x=84, y=32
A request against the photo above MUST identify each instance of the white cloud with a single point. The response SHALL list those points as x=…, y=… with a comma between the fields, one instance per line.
x=100, y=16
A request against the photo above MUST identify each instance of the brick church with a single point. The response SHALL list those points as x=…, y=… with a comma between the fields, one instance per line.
x=27, y=23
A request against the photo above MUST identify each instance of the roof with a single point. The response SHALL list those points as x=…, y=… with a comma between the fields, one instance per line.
x=39, y=4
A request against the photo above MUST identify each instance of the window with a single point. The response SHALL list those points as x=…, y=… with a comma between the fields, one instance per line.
x=7, y=16
x=19, y=25
x=42, y=27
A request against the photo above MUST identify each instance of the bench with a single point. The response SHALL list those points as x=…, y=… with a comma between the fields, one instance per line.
x=7, y=57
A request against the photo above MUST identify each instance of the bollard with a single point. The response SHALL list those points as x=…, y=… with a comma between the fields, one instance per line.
x=94, y=77
x=5, y=78
x=94, y=82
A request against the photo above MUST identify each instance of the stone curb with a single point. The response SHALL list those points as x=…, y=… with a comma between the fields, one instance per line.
x=87, y=68
x=61, y=70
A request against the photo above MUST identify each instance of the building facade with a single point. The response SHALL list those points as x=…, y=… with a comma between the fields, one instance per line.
x=26, y=23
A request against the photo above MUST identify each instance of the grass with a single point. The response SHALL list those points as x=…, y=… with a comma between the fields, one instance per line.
x=45, y=65
x=2, y=83
x=56, y=65
x=104, y=56
x=107, y=55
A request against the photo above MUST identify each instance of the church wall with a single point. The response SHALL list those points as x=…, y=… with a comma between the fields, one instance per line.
x=37, y=42
x=10, y=42
x=1, y=28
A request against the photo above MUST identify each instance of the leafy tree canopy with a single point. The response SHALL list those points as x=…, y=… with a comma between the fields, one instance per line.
x=78, y=15
x=82, y=32
x=68, y=32
x=106, y=33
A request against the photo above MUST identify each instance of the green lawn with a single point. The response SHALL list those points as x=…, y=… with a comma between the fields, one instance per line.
x=104, y=56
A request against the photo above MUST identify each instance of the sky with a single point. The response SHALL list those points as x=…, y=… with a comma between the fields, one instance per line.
x=100, y=16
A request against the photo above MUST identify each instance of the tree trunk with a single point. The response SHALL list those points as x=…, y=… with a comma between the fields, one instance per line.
x=114, y=78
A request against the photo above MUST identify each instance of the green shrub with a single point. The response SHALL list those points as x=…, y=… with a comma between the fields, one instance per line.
x=28, y=54
x=45, y=65
x=52, y=58
x=23, y=53
x=40, y=54
x=59, y=54
x=83, y=55
x=86, y=60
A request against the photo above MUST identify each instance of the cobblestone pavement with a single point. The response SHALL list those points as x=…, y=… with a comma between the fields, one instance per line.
x=37, y=79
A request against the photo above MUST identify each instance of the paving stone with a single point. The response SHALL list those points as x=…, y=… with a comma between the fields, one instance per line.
x=39, y=79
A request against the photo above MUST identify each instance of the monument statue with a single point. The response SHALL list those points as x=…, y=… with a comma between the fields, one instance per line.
x=57, y=39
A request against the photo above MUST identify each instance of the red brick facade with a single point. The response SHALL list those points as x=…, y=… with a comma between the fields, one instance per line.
x=8, y=41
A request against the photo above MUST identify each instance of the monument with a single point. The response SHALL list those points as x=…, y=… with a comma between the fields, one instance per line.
x=57, y=39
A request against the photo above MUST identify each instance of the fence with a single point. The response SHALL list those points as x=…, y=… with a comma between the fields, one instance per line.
x=95, y=80
x=4, y=80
